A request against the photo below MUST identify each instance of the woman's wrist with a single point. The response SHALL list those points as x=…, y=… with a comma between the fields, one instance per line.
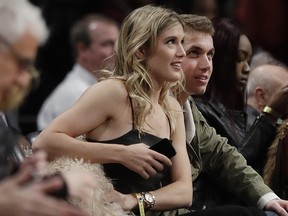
x=131, y=202
x=116, y=155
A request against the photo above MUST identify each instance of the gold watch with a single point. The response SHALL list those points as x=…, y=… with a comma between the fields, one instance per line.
x=148, y=199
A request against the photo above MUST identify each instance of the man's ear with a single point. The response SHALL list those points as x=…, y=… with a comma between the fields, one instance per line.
x=83, y=53
x=80, y=48
x=260, y=96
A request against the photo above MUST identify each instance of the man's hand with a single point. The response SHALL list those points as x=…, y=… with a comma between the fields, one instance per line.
x=22, y=197
x=279, y=206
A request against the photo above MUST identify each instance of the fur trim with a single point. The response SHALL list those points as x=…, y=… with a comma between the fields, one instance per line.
x=99, y=205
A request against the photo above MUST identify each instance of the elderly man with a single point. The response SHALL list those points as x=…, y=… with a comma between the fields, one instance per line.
x=262, y=84
x=22, y=30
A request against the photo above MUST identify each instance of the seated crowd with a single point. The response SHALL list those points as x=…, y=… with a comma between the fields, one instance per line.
x=143, y=145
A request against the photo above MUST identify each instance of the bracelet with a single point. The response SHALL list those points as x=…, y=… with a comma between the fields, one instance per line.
x=140, y=203
x=271, y=112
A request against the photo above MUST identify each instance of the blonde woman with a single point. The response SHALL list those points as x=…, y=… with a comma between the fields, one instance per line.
x=122, y=116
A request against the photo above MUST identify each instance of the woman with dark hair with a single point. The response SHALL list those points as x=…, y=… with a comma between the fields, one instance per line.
x=230, y=62
x=224, y=104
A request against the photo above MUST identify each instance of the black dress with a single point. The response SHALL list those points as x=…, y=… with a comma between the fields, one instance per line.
x=125, y=180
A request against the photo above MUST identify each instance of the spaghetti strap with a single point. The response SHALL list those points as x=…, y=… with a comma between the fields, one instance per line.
x=170, y=127
x=132, y=112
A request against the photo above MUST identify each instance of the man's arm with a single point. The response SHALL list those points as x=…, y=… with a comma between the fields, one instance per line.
x=20, y=198
x=223, y=162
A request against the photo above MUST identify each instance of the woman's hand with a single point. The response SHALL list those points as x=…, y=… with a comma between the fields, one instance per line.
x=80, y=185
x=127, y=201
x=142, y=160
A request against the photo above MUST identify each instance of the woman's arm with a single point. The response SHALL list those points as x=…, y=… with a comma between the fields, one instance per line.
x=89, y=112
x=103, y=111
x=179, y=193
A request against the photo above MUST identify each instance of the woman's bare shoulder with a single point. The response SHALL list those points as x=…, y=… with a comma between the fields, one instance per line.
x=112, y=87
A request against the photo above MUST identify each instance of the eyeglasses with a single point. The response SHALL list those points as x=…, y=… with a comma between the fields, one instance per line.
x=23, y=64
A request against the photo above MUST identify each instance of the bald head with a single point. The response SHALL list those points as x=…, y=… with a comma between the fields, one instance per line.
x=263, y=81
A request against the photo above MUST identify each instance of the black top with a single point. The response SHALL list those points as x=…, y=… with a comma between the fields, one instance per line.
x=125, y=180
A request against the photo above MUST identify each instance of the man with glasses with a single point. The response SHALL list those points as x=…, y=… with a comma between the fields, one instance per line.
x=22, y=30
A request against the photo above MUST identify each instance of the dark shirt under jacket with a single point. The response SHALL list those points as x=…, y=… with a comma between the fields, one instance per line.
x=12, y=119
x=7, y=143
x=252, y=114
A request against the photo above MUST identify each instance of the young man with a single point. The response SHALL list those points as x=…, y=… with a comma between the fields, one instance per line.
x=209, y=153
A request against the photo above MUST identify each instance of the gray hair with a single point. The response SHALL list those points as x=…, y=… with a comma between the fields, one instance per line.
x=256, y=78
x=18, y=17
x=263, y=57
x=264, y=76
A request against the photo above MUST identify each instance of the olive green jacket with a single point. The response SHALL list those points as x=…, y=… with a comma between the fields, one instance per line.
x=210, y=153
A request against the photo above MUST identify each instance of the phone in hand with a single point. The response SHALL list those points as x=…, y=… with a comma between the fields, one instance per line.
x=164, y=147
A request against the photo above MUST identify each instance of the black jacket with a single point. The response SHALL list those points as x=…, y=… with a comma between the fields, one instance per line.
x=13, y=147
x=252, y=143
x=9, y=153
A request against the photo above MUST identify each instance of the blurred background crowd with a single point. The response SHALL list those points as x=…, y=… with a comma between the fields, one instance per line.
x=264, y=22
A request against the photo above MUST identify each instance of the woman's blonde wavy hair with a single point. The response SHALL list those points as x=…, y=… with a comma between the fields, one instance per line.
x=140, y=31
